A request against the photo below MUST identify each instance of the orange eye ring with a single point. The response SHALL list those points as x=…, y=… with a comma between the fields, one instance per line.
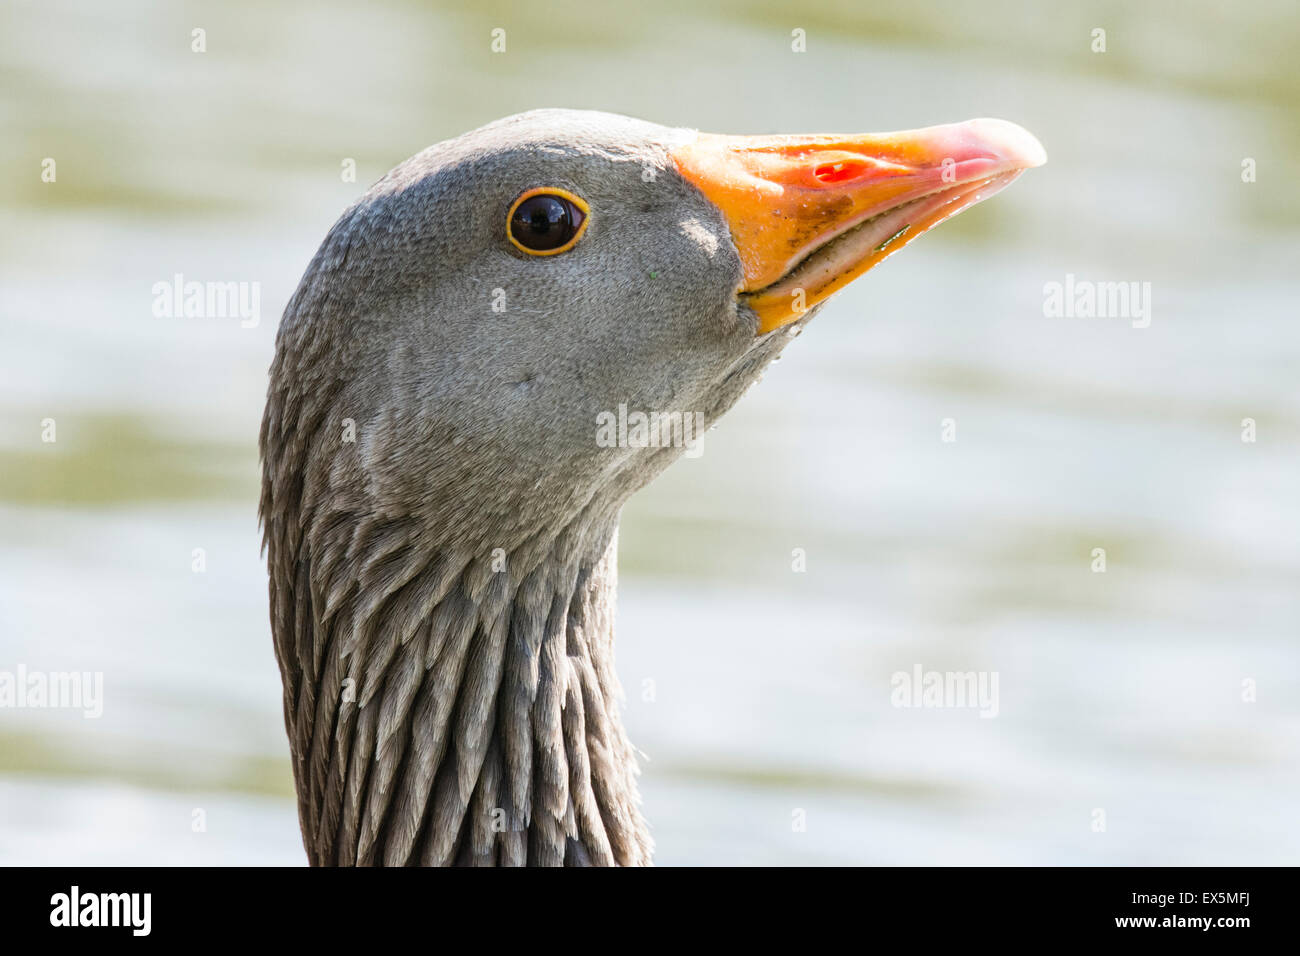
x=552, y=227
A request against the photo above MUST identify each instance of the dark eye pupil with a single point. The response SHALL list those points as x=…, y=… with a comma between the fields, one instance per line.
x=544, y=222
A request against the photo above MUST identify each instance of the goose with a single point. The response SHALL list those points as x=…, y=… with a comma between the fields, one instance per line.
x=439, y=518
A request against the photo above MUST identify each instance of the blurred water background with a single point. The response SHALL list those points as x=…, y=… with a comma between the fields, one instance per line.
x=1120, y=691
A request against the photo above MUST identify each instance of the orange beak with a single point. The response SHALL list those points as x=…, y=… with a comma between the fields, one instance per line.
x=809, y=214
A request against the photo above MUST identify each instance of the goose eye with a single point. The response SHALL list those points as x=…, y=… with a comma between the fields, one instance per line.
x=544, y=222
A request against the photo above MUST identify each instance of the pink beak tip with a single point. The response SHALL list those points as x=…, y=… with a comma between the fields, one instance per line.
x=1012, y=143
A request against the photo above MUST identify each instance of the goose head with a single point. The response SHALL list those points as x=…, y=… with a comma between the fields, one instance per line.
x=446, y=446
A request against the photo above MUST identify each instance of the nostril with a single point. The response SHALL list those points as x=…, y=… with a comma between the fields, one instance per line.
x=838, y=172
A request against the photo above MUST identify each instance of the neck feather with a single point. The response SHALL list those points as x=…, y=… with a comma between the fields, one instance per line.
x=453, y=709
